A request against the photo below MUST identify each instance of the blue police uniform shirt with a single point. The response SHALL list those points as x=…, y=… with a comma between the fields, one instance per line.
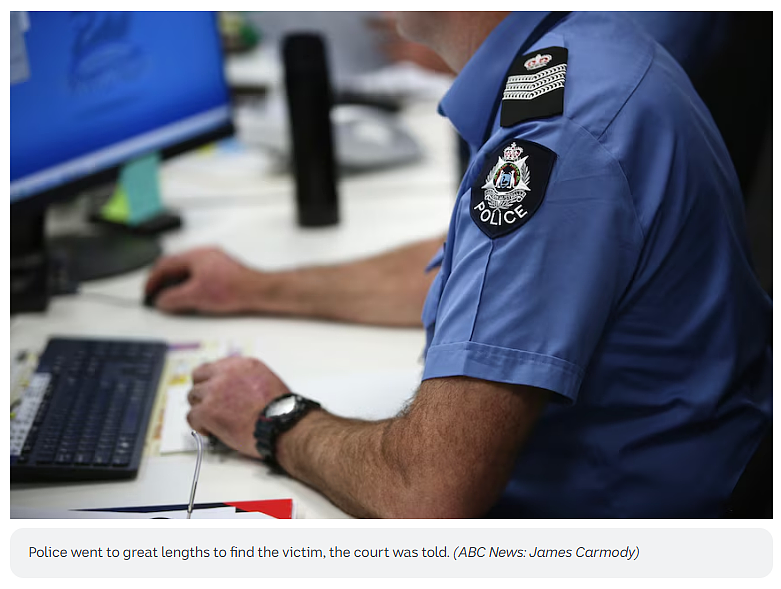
x=629, y=293
x=694, y=39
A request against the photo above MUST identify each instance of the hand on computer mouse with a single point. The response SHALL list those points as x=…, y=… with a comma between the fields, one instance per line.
x=168, y=282
x=206, y=280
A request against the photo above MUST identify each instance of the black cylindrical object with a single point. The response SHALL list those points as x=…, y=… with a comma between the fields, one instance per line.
x=309, y=105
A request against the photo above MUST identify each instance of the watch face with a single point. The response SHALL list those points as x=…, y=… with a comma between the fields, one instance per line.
x=280, y=407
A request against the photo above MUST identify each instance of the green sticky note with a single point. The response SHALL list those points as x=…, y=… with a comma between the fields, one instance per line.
x=117, y=209
x=137, y=196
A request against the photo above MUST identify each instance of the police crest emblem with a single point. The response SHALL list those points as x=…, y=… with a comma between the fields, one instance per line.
x=511, y=187
x=508, y=182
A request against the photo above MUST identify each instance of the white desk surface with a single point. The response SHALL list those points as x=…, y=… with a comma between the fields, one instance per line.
x=252, y=216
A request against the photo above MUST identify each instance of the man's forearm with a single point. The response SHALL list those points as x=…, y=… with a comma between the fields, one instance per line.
x=339, y=447
x=388, y=289
x=449, y=455
x=368, y=469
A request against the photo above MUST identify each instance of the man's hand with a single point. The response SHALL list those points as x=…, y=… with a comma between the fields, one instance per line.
x=216, y=283
x=387, y=289
x=227, y=398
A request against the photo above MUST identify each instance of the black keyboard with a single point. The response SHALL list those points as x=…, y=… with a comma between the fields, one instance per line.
x=85, y=413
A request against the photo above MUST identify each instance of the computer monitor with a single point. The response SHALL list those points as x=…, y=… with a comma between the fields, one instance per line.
x=91, y=91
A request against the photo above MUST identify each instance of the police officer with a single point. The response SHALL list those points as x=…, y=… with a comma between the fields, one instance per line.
x=597, y=344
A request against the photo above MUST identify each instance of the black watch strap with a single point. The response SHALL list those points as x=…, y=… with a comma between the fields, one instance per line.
x=267, y=429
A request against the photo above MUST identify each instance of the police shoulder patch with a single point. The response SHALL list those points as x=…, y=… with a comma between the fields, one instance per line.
x=535, y=86
x=510, y=187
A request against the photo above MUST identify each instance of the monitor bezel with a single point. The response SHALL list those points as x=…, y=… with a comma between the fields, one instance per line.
x=38, y=202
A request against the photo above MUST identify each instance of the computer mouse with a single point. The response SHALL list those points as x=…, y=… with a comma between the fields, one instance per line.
x=168, y=282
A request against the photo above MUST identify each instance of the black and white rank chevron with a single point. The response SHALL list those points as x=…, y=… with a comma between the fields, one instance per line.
x=535, y=86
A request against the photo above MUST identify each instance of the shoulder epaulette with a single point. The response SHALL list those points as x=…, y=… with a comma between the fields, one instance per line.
x=535, y=86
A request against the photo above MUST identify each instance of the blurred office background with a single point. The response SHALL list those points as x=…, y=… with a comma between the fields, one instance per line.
x=385, y=92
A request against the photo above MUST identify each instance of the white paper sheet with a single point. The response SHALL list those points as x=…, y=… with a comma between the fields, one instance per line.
x=177, y=436
x=362, y=395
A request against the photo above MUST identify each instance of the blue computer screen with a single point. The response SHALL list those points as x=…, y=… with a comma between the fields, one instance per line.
x=90, y=90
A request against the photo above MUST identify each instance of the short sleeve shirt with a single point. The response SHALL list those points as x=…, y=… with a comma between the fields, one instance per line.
x=628, y=293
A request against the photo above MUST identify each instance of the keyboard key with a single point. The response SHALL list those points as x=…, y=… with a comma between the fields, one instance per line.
x=126, y=443
x=64, y=458
x=131, y=421
x=101, y=457
x=120, y=460
x=83, y=458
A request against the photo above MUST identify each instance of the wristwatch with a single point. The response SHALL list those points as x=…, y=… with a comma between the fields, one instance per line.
x=279, y=416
